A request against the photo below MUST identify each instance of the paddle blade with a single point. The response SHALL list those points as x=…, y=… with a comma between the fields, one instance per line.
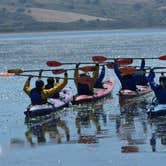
x=99, y=59
x=162, y=57
x=110, y=65
x=129, y=149
x=58, y=71
x=128, y=70
x=6, y=74
x=88, y=68
x=53, y=63
x=16, y=71
x=85, y=80
x=122, y=61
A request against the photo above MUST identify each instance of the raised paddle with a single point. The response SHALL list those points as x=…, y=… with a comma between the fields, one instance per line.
x=84, y=69
x=82, y=80
x=19, y=71
x=94, y=58
x=128, y=70
x=56, y=63
x=119, y=61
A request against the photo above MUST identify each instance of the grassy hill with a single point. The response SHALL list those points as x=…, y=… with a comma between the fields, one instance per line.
x=34, y=15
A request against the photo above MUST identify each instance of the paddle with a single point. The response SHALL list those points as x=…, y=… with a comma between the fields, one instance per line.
x=119, y=61
x=56, y=63
x=19, y=71
x=84, y=69
x=55, y=71
x=82, y=80
x=128, y=70
x=128, y=58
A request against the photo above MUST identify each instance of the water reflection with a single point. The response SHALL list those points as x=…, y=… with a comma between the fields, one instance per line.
x=47, y=132
x=90, y=118
x=158, y=127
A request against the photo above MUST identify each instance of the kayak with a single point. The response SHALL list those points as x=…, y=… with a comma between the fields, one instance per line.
x=98, y=93
x=52, y=105
x=156, y=110
x=142, y=90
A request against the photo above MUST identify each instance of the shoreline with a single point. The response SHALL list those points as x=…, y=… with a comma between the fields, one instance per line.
x=95, y=30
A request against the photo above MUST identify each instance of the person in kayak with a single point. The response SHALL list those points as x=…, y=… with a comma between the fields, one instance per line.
x=50, y=84
x=85, y=88
x=159, y=89
x=127, y=80
x=99, y=83
x=39, y=94
x=140, y=76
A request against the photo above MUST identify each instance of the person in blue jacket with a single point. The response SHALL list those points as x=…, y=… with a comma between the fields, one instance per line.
x=140, y=76
x=127, y=81
x=99, y=81
x=159, y=89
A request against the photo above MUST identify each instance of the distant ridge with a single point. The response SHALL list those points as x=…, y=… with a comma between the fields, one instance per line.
x=44, y=15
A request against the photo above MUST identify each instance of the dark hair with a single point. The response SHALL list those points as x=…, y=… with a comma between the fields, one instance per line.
x=50, y=80
x=39, y=84
x=83, y=74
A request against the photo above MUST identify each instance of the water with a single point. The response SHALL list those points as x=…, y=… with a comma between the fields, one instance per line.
x=89, y=135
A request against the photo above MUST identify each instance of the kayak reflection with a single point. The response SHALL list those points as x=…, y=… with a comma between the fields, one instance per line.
x=88, y=119
x=47, y=132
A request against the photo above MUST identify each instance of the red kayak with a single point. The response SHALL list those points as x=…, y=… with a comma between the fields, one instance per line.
x=142, y=90
x=98, y=93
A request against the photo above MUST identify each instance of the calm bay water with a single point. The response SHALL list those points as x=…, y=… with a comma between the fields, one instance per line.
x=89, y=135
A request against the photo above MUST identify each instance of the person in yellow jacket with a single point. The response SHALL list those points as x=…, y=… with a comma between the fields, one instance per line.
x=83, y=88
x=39, y=94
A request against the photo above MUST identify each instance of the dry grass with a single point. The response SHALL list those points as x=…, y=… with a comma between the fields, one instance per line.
x=45, y=15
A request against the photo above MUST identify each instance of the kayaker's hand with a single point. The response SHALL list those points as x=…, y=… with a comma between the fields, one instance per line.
x=40, y=73
x=65, y=74
x=151, y=70
x=77, y=65
x=30, y=76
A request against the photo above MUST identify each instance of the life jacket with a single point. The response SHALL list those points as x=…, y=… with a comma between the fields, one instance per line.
x=55, y=95
x=128, y=82
x=140, y=79
x=160, y=95
x=83, y=89
x=36, y=98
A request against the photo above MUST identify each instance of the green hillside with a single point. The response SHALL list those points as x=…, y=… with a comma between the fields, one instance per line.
x=35, y=15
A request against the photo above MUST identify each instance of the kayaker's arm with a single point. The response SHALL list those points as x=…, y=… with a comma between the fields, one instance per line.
x=27, y=88
x=151, y=81
x=142, y=64
x=117, y=72
x=76, y=74
x=94, y=77
x=57, y=87
x=102, y=74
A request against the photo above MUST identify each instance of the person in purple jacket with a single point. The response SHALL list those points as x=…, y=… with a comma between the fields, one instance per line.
x=127, y=81
x=140, y=76
x=159, y=89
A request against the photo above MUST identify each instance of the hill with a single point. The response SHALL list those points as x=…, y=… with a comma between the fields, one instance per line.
x=35, y=15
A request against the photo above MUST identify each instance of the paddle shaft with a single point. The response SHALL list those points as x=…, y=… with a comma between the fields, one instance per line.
x=27, y=75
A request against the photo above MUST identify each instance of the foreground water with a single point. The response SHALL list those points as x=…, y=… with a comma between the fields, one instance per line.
x=92, y=134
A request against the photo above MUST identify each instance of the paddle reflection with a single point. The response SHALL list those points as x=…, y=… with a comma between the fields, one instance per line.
x=47, y=131
x=131, y=124
x=158, y=126
x=89, y=120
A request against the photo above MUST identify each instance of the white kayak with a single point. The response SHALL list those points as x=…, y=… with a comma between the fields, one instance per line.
x=52, y=106
x=156, y=110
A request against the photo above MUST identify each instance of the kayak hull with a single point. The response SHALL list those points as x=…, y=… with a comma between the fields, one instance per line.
x=142, y=90
x=156, y=110
x=98, y=93
x=53, y=105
